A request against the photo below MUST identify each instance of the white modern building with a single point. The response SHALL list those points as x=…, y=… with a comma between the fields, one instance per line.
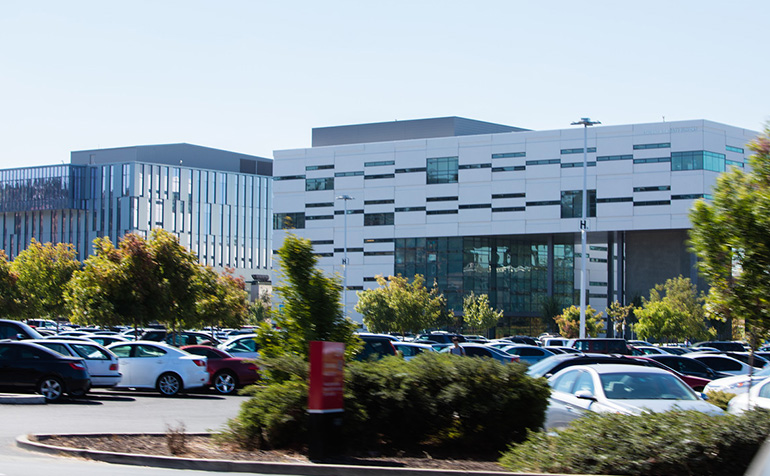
x=496, y=209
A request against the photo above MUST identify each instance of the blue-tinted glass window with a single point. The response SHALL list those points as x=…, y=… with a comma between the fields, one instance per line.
x=572, y=203
x=442, y=170
x=325, y=183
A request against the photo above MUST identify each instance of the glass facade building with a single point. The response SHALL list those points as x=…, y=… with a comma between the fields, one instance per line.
x=221, y=212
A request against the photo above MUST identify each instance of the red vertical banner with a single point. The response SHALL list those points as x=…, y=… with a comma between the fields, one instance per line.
x=326, y=377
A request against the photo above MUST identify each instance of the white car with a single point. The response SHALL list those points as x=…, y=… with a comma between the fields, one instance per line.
x=618, y=388
x=737, y=384
x=243, y=346
x=101, y=364
x=757, y=397
x=155, y=365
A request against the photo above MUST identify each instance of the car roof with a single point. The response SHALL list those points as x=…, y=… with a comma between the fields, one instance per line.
x=616, y=368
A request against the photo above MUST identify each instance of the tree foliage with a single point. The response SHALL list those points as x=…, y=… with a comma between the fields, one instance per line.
x=399, y=305
x=569, y=322
x=311, y=308
x=9, y=291
x=42, y=271
x=478, y=314
x=617, y=316
x=674, y=313
x=222, y=298
x=730, y=238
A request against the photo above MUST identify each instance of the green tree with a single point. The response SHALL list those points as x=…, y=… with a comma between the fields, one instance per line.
x=222, y=299
x=311, y=308
x=617, y=315
x=260, y=310
x=478, y=314
x=550, y=307
x=9, y=291
x=569, y=322
x=398, y=305
x=42, y=271
x=674, y=312
x=729, y=236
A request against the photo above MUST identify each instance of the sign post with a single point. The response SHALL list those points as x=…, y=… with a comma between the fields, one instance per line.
x=325, y=402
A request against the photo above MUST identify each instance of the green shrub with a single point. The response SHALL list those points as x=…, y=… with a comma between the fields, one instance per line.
x=720, y=399
x=679, y=442
x=435, y=399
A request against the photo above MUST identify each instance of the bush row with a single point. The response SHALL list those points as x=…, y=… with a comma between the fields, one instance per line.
x=679, y=442
x=446, y=402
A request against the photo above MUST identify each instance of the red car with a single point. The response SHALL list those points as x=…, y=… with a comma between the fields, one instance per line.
x=227, y=373
x=696, y=383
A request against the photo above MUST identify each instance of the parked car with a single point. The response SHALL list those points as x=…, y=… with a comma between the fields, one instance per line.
x=601, y=346
x=757, y=397
x=558, y=349
x=624, y=389
x=554, y=342
x=552, y=365
x=688, y=366
x=155, y=365
x=411, y=350
x=528, y=354
x=376, y=346
x=180, y=338
x=481, y=350
x=695, y=383
x=737, y=384
x=243, y=346
x=438, y=338
x=226, y=373
x=756, y=361
x=106, y=340
x=722, y=363
x=648, y=350
x=724, y=346
x=17, y=330
x=521, y=340
x=102, y=364
x=25, y=366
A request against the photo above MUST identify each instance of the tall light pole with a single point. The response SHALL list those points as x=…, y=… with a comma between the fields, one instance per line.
x=345, y=199
x=585, y=122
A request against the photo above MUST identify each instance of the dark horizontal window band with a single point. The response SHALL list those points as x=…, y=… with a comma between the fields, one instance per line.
x=411, y=170
x=569, y=165
x=379, y=253
x=475, y=205
x=441, y=212
x=380, y=163
x=513, y=168
x=734, y=149
x=379, y=202
x=350, y=212
x=441, y=199
x=508, y=195
x=474, y=166
x=323, y=242
x=653, y=160
x=350, y=250
x=325, y=255
x=577, y=151
x=508, y=209
x=355, y=288
x=379, y=176
x=660, y=145
x=508, y=155
x=378, y=240
x=319, y=217
x=319, y=205
x=652, y=203
x=658, y=188
x=319, y=167
x=544, y=203
x=691, y=196
x=290, y=177
x=357, y=173
x=607, y=158
x=544, y=162
x=410, y=209
x=615, y=200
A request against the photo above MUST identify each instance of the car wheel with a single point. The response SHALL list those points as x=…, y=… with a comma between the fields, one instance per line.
x=169, y=384
x=225, y=383
x=51, y=388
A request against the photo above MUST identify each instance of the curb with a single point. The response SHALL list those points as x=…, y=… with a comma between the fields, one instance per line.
x=28, y=442
x=14, y=399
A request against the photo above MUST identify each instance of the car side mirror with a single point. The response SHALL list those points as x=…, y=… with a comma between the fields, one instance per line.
x=21, y=337
x=703, y=395
x=585, y=395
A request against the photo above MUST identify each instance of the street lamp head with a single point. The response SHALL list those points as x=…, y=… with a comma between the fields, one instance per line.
x=585, y=121
x=344, y=197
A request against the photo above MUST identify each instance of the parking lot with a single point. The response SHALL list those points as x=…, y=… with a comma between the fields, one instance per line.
x=105, y=411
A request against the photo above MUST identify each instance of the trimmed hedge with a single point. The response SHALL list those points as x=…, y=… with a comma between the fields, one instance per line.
x=477, y=405
x=678, y=442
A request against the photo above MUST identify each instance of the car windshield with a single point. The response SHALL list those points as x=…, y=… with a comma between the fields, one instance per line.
x=544, y=366
x=644, y=386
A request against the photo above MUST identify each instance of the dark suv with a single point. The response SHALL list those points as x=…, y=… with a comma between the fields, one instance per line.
x=375, y=347
x=602, y=346
x=438, y=338
x=17, y=330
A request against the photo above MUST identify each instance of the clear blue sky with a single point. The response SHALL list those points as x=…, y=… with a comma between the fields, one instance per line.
x=254, y=76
